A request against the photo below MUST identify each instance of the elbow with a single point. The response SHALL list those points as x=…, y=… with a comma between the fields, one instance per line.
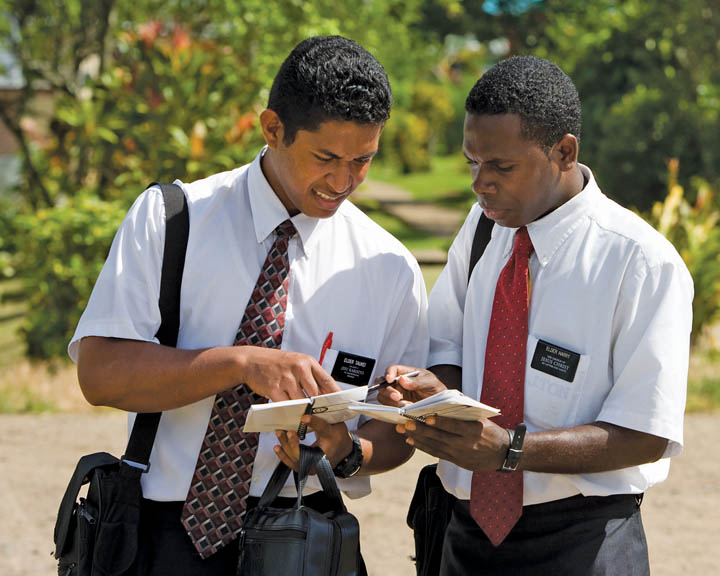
x=93, y=379
x=657, y=448
x=90, y=387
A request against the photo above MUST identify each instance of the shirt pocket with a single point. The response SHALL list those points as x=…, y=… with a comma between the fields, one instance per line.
x=551, y=401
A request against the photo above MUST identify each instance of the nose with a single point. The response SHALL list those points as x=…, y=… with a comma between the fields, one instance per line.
x=482, y=183
x=340, y=178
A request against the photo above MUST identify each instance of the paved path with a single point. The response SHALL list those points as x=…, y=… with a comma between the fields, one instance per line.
x=427, y=217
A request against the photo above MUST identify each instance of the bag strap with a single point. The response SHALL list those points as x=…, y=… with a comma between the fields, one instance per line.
x=309, y=456
x=274, y=485
x=483, y=232
x=177, y=229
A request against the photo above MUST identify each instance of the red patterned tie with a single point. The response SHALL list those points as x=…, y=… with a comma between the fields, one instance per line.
x=217, y=498
x=496, y=498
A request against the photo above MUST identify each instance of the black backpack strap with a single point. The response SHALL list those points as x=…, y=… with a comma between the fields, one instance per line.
x=480, y=241
x=177, y=229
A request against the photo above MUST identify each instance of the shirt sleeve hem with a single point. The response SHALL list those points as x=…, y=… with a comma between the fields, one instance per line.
x=108, y=329
x=454, y=359
x=641, y=423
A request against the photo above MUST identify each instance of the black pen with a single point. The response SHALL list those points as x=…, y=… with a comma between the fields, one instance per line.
x=384, y=383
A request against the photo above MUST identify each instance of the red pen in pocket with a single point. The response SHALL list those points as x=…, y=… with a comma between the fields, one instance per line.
x=302, y=429
x=325, y=347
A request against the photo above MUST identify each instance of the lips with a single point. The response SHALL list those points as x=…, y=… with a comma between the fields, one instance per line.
x=329, y=196
x=492, y=212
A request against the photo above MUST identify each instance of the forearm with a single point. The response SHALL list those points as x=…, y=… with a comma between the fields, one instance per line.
x=383, y=448
x=148, y=377
x=596, y=447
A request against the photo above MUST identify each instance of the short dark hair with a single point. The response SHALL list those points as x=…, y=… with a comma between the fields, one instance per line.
x=329, y=78
x=536, y=90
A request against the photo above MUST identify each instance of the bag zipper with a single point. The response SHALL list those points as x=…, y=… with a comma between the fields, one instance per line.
x=83, y=512
x=273, y=534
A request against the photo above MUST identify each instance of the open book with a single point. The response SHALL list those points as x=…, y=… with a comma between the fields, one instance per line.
x=448, y=403
x=285, y=415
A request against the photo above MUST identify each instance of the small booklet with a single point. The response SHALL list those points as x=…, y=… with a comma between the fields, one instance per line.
x=285, y=415
x=448, y=403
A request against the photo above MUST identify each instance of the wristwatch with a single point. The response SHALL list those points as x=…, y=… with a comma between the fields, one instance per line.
x=512, y=459
x=350, y=465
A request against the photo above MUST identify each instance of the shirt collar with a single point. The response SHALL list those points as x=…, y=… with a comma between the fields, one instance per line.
x=268, y=211
x=549, y=232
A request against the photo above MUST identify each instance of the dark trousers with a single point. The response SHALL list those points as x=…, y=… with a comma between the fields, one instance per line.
x=166, y=550
x=577, y=536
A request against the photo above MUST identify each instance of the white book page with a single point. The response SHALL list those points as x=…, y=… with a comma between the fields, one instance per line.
x=389, y=414
x=286, y=415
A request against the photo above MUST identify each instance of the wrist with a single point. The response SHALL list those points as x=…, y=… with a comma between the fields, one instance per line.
x=514, y=452
x=351, y=463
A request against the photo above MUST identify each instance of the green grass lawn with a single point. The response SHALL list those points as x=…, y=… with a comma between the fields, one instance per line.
x=447, y=182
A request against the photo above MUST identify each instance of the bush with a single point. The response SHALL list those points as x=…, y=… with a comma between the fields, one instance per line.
x=693, y=229
x=63, y=250
x=410, y=137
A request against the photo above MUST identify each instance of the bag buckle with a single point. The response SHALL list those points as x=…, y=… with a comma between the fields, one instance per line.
x=144, y=467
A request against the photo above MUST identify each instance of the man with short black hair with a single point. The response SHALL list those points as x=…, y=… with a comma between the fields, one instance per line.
x=575, y=323
x=278, y=268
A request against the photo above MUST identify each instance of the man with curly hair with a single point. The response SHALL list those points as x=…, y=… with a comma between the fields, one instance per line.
x=575, y=323
x=279, y=226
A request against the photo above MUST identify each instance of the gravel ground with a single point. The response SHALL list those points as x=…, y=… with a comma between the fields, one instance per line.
x=38, y=455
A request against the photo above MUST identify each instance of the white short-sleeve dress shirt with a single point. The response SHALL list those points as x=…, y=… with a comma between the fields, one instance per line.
x=605, y=286
x=348, y=276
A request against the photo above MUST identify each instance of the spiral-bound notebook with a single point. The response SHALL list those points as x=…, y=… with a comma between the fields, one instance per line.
x=448, y=403
x=286, y=415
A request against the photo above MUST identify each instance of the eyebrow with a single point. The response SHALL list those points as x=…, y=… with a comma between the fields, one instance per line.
x=334, y=156
x=491, y=161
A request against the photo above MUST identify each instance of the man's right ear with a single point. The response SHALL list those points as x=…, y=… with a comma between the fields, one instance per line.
x=272, y=128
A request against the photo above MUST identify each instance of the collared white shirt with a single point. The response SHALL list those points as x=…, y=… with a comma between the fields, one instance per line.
x=606, y=286
x=347, y=276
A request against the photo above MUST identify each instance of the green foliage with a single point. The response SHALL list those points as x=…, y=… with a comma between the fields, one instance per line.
x=693, y=229
x=646, y=72
x=409, y=137
x=62, y=251
x=119, y=93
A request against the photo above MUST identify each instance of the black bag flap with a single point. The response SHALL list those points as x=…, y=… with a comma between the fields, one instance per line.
x=85, y=466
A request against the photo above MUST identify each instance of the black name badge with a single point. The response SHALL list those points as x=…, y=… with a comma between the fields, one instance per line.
x=352, y=369
x=556, y=361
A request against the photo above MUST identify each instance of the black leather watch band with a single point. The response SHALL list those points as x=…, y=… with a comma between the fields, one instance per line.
x=350, y=465
x=514, y=453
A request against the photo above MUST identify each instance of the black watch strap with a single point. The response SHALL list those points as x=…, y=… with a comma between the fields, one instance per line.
x=514, y=453
x=350, y=465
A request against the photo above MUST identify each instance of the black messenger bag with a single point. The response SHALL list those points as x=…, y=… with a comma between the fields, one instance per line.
x=300, y=540
x=98, y=535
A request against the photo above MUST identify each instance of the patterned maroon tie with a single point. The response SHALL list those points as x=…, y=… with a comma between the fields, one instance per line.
x=217, y=498
x=496, y=498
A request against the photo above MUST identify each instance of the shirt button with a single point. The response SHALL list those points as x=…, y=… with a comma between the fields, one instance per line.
x=255, y=479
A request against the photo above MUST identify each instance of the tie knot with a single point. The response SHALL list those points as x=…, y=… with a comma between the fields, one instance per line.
x=523, y=244
x=285, y=228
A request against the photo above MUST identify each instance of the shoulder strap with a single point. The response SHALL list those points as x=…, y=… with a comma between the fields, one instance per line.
x=177, y=228
x=480, y=241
